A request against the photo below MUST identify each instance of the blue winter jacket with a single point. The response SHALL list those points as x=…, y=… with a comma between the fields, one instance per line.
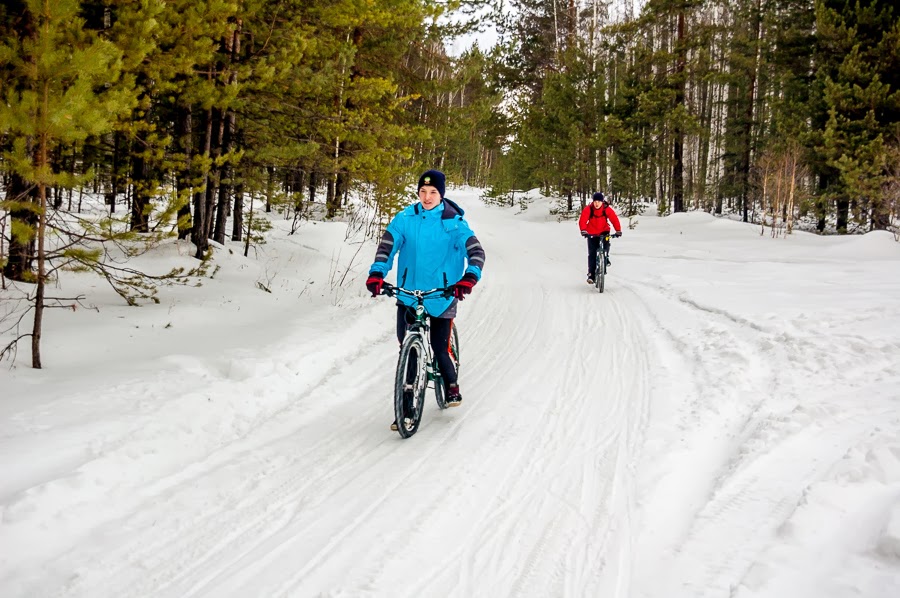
x=436, y=248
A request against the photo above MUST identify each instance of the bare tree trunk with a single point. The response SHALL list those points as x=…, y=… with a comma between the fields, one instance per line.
x=843, y=214
x=55, y=159
x=778, y=199
x=72, y=170
x=140, y=202
x=678, y=145
x=41, y=278
x=198, y=229
x=249, y=228
x=215, y=172
x=237, y=225
x=184, y=146
x=329, y=197
x=748, y=116
x=116, y=166
x=270, y=188
x=312, y=186
x=36, y=331
x=233, y=47
x=789, y=210
x=704, y=142
x=340, y=187
x=224, y=184
x=555, y=30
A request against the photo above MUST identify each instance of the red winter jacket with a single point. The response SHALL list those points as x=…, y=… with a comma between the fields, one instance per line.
x=594, y=221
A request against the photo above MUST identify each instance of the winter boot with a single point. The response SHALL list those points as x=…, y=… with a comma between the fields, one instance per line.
x=453, y=396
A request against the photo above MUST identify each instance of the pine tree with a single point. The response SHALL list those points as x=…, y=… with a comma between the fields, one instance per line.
x=62, y=85
x=860, y=97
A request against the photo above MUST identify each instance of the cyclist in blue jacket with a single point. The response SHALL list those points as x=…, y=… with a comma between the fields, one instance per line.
x=436, y=249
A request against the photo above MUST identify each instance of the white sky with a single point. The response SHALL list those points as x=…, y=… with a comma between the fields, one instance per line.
x=485, y=39
x=488, y=38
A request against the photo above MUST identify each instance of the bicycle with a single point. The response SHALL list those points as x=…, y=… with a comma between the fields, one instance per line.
x=416, y=366
x=600, y=264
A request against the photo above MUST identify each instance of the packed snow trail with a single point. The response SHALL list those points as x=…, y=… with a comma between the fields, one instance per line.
x=660, y=439
x=537, y=458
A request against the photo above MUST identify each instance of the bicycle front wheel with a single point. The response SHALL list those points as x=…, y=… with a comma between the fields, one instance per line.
x=440, y=386
x=409, y=385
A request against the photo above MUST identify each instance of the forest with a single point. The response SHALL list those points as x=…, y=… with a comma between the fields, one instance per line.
x=127, y=122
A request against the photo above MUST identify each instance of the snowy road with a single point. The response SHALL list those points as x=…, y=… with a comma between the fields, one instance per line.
x=694, y=431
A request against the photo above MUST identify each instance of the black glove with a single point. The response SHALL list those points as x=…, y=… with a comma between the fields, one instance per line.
x=584, y=233
x=374, y=283
x=618, y=233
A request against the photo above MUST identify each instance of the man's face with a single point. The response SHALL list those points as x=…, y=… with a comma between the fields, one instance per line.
x=598, y=204
x=429, y=196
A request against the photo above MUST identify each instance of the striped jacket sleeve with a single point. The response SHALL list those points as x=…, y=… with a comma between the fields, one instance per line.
x=387, y=249
x=475, y=256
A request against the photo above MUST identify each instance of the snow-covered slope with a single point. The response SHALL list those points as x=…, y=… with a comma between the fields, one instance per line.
x=723, y=420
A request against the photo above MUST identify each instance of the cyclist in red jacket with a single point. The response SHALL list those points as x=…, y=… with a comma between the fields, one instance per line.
x=594, y=224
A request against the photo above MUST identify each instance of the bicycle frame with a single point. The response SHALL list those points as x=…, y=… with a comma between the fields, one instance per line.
x=420, y=324
x=408, y=409
x=605, y=242
x=600, y=263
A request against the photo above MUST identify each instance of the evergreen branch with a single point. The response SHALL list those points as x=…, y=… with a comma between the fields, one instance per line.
x=133, y=285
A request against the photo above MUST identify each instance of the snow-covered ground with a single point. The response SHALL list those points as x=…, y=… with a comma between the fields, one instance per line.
x=723, y=421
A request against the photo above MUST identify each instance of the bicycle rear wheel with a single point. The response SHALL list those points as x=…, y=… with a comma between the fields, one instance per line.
x=602, y=282
x=409, y=385
x=440, y=388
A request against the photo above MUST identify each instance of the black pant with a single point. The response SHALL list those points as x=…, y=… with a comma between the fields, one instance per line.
x=593, y=245
x=440, y=339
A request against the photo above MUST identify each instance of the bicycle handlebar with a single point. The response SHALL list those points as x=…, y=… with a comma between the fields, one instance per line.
x=391, y=290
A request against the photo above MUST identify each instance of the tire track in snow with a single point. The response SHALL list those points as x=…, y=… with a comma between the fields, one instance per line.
x=325, y=551
x=293, y=585
x=763, y=470
x=500, y=368
x=429, y=515
x=752, y=504
x=575, y=517
x=249, y=515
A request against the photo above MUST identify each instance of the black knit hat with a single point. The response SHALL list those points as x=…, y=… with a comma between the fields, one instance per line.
x=434, y=178
x=598, y=197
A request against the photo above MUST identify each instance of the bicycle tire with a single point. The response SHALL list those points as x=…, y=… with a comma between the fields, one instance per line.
x=440, y=388
x=413, y=348
x=601, y=283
